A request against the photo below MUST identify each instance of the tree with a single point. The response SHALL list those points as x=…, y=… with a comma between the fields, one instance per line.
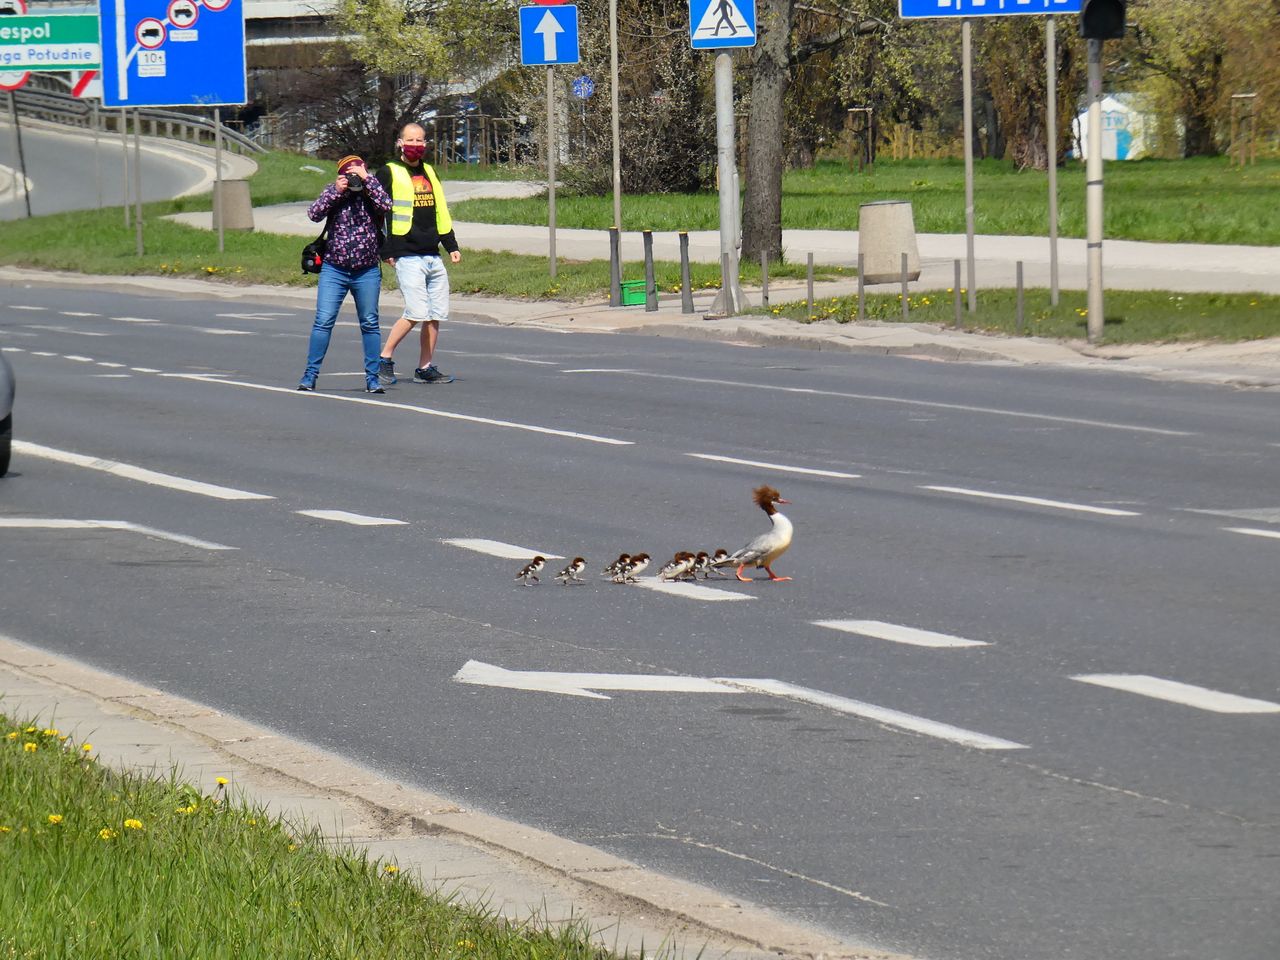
x=770, y=74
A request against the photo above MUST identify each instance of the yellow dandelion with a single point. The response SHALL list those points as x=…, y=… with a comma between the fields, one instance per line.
x=391, y=869
x=132, y=824
x=50, y=731
x=29, y=730
x=30, y=747
x=55, y=818
x=12, y=736
x=6, y=829
x=253, y=823
x=106, y=833
x=293, y=847
x=467, y=944
x=87, y=747
x=221, y=781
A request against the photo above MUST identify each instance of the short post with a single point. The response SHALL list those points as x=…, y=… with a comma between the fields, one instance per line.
x=956, y=289
x=686, y=284
x=137, y=179
x=650, y=290
x=809, y=284
x=906, y=295
x=218, y=192
x=862, y=289
x=615, y=267
x=764, y=279
x=124, y=164
x=1020, y=299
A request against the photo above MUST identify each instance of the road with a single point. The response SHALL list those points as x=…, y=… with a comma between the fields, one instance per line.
x=1004, y=550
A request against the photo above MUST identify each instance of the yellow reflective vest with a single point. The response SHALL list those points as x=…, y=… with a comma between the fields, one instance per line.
x=402, y=196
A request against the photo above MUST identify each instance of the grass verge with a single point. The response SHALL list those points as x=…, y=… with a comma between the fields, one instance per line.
x=104, y=866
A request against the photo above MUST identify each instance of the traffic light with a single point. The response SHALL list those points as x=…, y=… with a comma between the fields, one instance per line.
x=1102, y=19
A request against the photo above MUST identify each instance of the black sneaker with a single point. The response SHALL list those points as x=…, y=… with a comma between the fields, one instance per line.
x=430, y=374
x=386, y=371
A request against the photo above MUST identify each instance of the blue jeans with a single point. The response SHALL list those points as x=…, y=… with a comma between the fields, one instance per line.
x=364, y=284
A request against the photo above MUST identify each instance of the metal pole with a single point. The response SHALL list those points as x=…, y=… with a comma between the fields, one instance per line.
x=764, y=279
x=551, y=164
x=124, y=169
x=1051, y=67
x=956, y=289
x=97, y=155
x=809, y=283
x=137, y=179
x=686, y=285
x=218, y=198
x=862, y=289
x=966, y=36
x=650, y=289
x=615, y=267
x=1093, y=192
x=906, y=294
x=22, y=158
x=1021, y=302
x=613, y=96
x=730, y=298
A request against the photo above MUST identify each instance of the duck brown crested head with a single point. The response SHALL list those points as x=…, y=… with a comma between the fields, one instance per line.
x=765, y=497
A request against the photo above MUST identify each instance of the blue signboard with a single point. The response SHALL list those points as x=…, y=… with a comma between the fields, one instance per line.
x=921, y=9
x=714, y=24
x=172, y=53
x=584, y=87
x=548, y=35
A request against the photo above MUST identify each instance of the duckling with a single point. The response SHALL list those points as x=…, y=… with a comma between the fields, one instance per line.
x=529, y=572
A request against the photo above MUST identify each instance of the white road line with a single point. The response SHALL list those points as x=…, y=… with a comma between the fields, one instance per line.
x=967, y=408
x=357, y=519
x=37, y=523
x=78, y=313
x=112, y=376
x=391, y=404
x=67, y=331
x=21, y=306
x=1175, y=692
x=12, y=350
x=130, y=472
x=43, y=353
x=869, y=711
x=1254, y=532
x=144, y=369
x=496, y=548
x=220, y=332
x=693, y=591
x=785, y=468
x=77, y=358
x=503, y=356
x=1034, y=501
x=135, y=320
x=107, y=363
x=898, y=633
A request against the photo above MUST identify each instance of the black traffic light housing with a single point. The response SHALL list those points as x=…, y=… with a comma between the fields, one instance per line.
x=1102, y=19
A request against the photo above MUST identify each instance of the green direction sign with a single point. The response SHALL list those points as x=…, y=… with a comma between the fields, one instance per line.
x=50, y=42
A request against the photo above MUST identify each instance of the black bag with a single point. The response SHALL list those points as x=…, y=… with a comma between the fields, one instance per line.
x=313, y=253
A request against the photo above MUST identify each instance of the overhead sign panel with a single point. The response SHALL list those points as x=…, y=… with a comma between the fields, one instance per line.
x=49, y=42
x=173, y=53
x=923, y=9
x=716, y=24
x=548, y=35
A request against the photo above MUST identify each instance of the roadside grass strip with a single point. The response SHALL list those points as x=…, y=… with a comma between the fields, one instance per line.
x=106, y=864
x=1202, y=698
x=898, y=634
x=355, y=519
x=130, y=472
x=496, y=548
x=57, y=523
x=1033, y=501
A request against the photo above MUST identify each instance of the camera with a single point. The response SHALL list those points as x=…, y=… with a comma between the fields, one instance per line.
x=355, y=182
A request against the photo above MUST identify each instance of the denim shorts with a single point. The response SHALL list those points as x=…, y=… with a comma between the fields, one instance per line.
x=424, y=284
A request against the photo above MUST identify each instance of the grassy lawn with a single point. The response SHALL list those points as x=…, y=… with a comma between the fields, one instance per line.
x=102, y=866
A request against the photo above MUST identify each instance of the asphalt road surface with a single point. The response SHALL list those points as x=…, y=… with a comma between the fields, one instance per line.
x=1019, y=701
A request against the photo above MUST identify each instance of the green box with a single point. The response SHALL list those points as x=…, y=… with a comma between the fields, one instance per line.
x=632, y=293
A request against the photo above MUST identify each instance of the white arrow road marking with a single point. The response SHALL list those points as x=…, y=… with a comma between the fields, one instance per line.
x=584, y=684
x=1175, y=692
x=694, y=591
x=130, y=472
x=785, y=468
x=898, y=634
x=38, y=523
x=1254, y=532
x=496, y=548
x=357, y=519
x=1034, y=501
x=549, y=27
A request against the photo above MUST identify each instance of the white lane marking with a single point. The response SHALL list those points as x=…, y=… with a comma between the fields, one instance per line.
x=21, y=306
x=68, y=331
x=496, y=548
x=1254, y=532
x=77, y=358
x=78, y=313
x=130, y=472
x=898, y=633
x=38, y=523
x=785, y=468
x=135, y=320
x=144, y=369
x=43, y=353
x=869, y=711
x=107, y=363
x=12, y=350
x=357, y=519
x=254, y=316
x=1034, y=501
x=112, y=376
x=391, y=404
x=584, y=684
x=220, y=332
x=502, y=356
x=694, y=591
x=1175, y=692
x=967, y=408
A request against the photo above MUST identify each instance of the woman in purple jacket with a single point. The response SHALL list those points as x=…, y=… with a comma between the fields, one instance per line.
x=356, y=205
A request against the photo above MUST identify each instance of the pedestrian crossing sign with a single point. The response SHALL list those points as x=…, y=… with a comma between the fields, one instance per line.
x=714, y=24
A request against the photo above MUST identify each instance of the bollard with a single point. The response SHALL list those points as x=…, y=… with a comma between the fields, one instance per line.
x=862, y=291
x=686, y=285
x=906, y=295
x=615, y=267
x=764, y=279
x=810, y=284
x=726, y=286
x=650, y=291
x=956, y=288
x=1020, y=299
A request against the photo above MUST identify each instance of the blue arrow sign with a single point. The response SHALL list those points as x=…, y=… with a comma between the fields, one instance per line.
x=923, y=9
x=548, y=35
x=172, y=53
x=714, y=24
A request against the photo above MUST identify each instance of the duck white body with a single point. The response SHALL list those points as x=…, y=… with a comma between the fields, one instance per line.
x=763, y=550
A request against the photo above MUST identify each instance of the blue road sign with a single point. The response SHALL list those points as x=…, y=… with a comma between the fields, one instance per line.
x=714, y=24
x=583, y=87
x=923, y=9
x=548, y=35
x=172, y=53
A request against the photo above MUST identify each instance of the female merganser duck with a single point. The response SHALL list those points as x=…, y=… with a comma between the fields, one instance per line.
x=677, y=566
x=768, y=547
x=612, y=570
x=529, y=572
x=570, y=573
x=632, y=568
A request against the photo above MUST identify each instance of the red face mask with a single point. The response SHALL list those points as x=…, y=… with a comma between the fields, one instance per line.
x=413, y=152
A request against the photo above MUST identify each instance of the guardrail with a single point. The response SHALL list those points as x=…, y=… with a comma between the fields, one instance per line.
x=71, y=111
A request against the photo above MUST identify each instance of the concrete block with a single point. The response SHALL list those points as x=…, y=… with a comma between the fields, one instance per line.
x=887, y=230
